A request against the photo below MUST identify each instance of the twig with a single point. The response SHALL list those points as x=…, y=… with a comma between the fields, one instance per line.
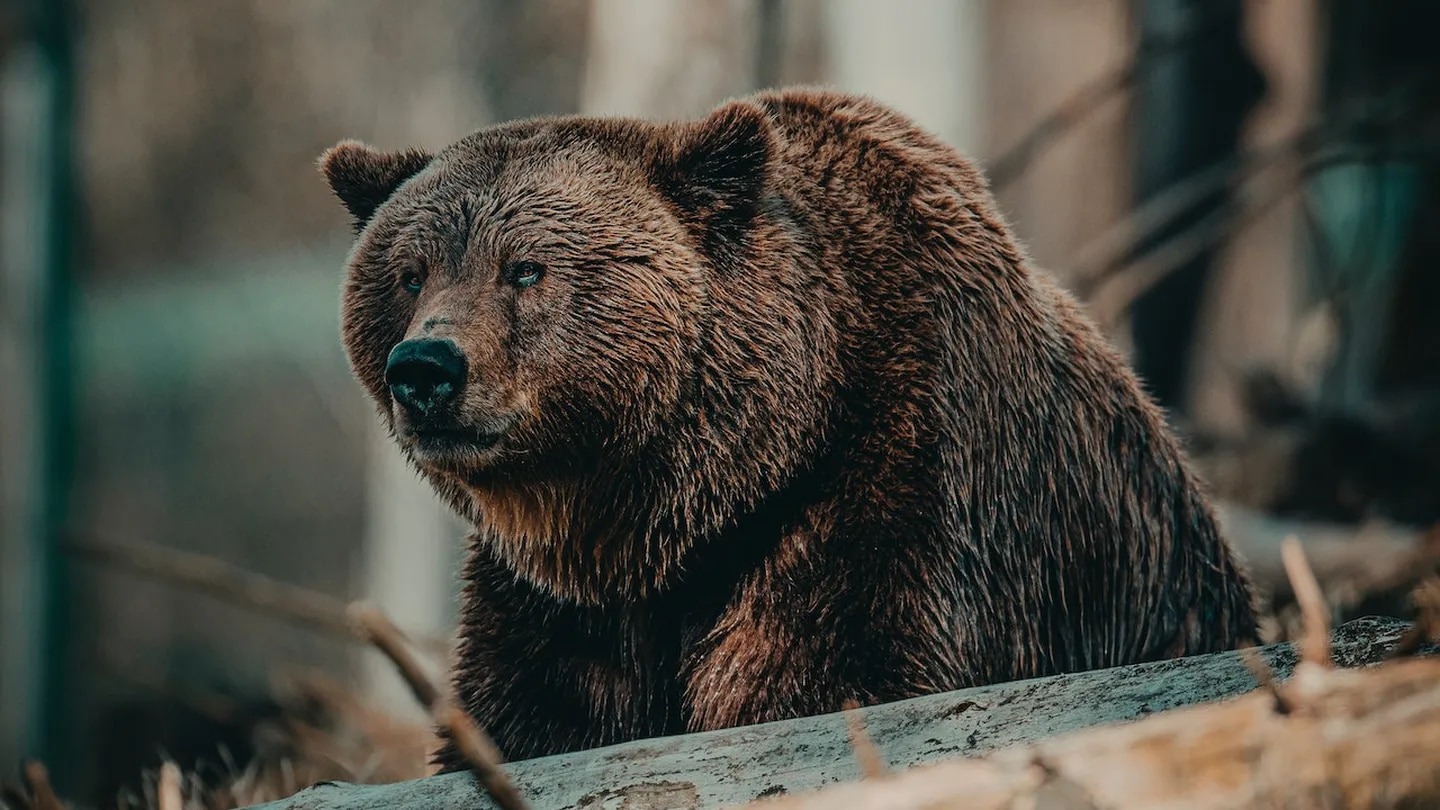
x=1112, y=294
x=375, y=628
x=872, y=765
x=1315, y=645
x=170, y=797
x=42, y=795
x=1091, y=96
x=223, y=581
x=1263, y=675
x=1427, y=620
x=229, y=583
x=482, y=754
x=1108, y=253
x=473, y=743
x=1113, y=254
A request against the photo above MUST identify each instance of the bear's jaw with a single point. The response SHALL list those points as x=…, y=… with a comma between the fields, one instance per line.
x=459, y=451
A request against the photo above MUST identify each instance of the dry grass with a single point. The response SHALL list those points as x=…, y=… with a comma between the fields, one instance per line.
x=325, y=733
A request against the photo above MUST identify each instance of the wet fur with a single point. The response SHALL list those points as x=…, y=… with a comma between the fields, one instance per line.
x=800, y=424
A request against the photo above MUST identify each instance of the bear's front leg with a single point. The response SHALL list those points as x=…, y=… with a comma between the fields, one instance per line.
x=544, y=677
x=802, y=636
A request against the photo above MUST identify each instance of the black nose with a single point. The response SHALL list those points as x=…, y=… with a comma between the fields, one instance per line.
x=425, y=374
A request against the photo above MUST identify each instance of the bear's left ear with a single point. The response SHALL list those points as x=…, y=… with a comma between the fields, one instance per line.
x=716, y=170
x=364, y=178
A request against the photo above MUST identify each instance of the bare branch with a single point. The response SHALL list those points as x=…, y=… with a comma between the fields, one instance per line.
x=375, y=628
x=1114, y=288
x=1111, y=259
x=230, y=583
x=484, y=758
x=42, y=795
x=170, y=796
x=1315, y=646
x=476, y=746
x=1427, y=621
x=866, y=754
x=1265, y=678
x=1094, y=94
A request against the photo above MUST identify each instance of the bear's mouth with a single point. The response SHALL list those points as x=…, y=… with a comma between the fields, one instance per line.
x=444, y=439
x=455, y=446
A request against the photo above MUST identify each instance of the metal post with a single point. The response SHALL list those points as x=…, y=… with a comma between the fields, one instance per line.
x=38, y=94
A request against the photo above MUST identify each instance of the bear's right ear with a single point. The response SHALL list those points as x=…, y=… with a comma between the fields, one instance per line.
x=364, y=178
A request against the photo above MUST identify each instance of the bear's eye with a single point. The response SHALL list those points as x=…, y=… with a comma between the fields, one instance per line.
x=412, y=281
x=524, y=274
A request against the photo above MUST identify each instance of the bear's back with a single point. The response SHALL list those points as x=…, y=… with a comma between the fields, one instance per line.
x=1067, y=501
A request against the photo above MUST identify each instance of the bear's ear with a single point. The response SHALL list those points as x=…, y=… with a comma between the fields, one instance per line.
x=364, y=178
x=716, y=169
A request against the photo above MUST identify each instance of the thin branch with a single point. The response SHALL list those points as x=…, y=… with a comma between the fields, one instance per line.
x=37, y=781
x=1315, y=646
x=1426, y=599
x=223, y=581
x=473, y=743
x=230, y=583
x=482, y=754
x=170, y=796
x=1111, y=259
x=1112, y=296
x=1108, y=253
x=375, y=628
x=872, y=765
x=1094, y=94
x=1265, y=677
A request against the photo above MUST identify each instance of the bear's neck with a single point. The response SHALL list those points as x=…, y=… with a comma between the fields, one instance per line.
x=590, y=540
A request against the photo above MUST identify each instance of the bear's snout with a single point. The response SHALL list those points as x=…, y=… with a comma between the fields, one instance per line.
x=425, y=375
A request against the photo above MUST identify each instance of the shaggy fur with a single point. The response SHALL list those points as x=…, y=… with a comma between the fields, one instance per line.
x=788, y=420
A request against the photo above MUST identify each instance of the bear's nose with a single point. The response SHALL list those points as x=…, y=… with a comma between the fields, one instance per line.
x=425, y=374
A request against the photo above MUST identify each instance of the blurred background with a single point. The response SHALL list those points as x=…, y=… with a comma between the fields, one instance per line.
x=1245, y=193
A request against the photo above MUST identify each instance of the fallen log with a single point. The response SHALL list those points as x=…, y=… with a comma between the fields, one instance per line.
x=1366, y=739
x=734, y=766
x=1349, y=561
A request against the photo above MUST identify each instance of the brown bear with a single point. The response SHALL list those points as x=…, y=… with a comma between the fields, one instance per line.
x=757, y=414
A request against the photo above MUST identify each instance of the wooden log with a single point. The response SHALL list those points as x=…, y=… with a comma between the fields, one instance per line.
x=1345, y=558
x=1362, y=569
x=1353, y=739
x=730, y=767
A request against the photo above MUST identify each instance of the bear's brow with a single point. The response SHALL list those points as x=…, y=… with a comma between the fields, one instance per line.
x=436, y=230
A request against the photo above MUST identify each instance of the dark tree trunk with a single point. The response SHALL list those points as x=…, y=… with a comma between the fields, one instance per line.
x=1190, y=104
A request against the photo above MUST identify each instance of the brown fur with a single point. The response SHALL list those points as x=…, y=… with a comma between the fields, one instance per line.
x=791, y=421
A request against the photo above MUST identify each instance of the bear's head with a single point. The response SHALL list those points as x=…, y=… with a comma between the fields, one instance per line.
x=530, y=310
